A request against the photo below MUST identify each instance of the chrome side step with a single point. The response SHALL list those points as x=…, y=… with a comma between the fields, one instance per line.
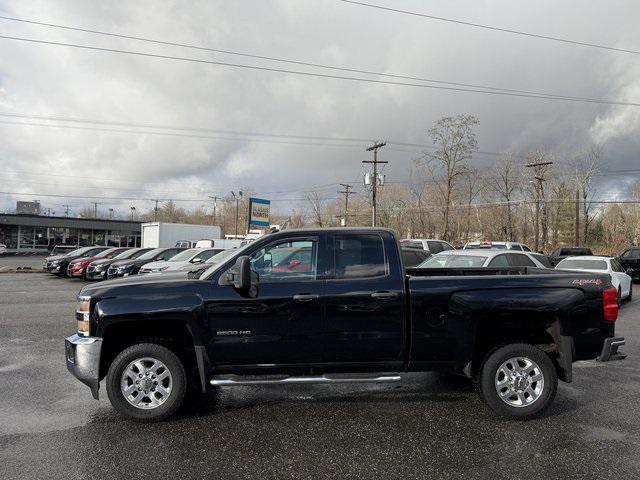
x=229, y=382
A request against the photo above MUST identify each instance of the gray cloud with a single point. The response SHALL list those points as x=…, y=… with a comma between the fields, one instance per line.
x=48, y=80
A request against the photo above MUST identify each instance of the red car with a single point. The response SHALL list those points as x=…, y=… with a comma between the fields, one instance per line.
x=78, y=267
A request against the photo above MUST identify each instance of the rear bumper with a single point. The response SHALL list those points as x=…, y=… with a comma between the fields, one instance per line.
x=610, y=349
x=83, y=360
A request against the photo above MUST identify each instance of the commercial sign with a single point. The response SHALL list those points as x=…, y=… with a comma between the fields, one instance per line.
x=259, y=212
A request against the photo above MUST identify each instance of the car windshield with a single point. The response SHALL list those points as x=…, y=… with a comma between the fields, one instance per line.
x=151, y=253
x=78, y=251
x=579, y=264
x=104, y=253
x=125, y=254
x=185, y=256
x=452, y=261
x=222, y=256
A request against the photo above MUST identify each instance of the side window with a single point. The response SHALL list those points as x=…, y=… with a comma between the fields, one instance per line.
x=499, y=261
x=516, y=247
x=520, y=260
x=293, y=259
x=359, y=256
x=445, y=246
x=525, y=248
x=543, y=259
x=635, y=253
x=434, y=247
x=167, y=254
x=626, y=254
x=615, y=266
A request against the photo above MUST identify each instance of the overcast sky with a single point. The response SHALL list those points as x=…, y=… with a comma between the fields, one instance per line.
x=47, y=80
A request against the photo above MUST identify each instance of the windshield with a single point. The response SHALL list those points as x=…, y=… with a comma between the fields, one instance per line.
x=579, y=264
x=151, y=253
x=452, y=261
x=185, y=256
x=104, y=253
x=125, y=254
x=222, y=256
x=77, y=252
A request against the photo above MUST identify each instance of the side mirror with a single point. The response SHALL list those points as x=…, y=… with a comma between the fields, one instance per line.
x=241, y=274
x=629, y=271
x=196, y=260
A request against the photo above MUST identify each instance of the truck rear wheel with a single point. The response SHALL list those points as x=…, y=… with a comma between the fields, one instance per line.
x=146, y=382
x=518, y=381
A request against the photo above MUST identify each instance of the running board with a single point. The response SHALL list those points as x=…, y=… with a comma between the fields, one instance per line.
x=230, y=382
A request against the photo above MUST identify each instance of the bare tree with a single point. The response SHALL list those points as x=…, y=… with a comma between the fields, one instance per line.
x=586, y=166
x=317, y=207
x=505, y=180
x=472, y=189
x=455, y=142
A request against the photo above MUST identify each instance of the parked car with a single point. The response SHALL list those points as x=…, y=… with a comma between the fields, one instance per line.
x=196, y=270
x=124, y=268
x=58, y=264
x=350, y=315
x=58, y=250
x=97, y=270
x=3, y=248
x=413, y=256
x=619, y=278
x=187, y=257
x=630, y=261
x=497, y=245
x=485, y=258
x=78, y=267
x=561, y=253
x=428, y=244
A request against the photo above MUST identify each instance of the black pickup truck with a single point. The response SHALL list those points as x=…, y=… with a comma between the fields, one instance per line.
x=336, y=305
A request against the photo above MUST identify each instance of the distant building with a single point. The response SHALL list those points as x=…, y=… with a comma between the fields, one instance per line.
x=28, y=208
x=30, y=232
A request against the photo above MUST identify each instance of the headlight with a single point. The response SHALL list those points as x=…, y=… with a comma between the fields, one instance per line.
x=54, y=263
x=99, y=267
x=82, y=315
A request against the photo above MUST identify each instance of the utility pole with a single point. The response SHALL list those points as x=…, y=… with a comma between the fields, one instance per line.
x=577, y=233
x=67, y=209
x=215, y=205
x=538, y=178
x=374, y=148
x=155, y=212
x=133, y=212
x=238, y=197
x=346, y=192
x=111, y=213
x=95, y=209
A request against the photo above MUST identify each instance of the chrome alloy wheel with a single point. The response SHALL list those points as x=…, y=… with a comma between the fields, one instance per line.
x=146, y=383
x=519, y=382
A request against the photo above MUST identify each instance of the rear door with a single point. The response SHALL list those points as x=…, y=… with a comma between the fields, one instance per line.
x=364, y=301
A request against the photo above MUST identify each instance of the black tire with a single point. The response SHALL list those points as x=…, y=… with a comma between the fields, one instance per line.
x=178, y=382
x=486, y=381
x=619, y=297
x=630, y=297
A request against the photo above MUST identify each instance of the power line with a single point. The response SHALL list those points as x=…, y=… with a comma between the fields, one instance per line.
x=324, y=75
x=285, y=60
x=490, y=27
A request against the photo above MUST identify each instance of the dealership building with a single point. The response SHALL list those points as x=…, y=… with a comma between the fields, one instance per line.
x=32, y=232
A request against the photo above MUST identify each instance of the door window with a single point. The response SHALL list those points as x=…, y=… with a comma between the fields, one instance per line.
x=446, y=246
x=204, y=255
x=499, y=261
x=435, y=247
x=359, y=256
x=519, y=260
x=286, y=260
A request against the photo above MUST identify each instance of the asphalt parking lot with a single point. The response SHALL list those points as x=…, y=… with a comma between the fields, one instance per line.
x=431, y=426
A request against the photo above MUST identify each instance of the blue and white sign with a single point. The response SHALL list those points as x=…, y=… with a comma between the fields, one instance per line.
x=259, y=212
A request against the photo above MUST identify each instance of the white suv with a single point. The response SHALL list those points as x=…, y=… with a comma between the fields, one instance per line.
x=497, y=245
x=429, y=244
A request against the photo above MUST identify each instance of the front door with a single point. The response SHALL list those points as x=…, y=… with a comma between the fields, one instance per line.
x=279, y=323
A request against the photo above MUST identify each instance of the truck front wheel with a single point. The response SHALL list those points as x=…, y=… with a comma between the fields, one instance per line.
x=518, y=381
x=146, y=382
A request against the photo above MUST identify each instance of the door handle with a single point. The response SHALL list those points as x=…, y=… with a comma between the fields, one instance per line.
x=384, y=295
x=306, y=297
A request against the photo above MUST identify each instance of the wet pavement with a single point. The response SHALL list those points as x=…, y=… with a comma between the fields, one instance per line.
x=429, y=426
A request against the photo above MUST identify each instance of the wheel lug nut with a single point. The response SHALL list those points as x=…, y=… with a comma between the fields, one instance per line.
x=140, y=375
x=155, y=383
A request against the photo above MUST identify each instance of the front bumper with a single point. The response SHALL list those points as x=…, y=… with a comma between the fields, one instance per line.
x=610, y=349
x=83, y=360
x=93, y=274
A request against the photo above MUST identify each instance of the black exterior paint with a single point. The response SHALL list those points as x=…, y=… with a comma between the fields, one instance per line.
x=412, y=322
